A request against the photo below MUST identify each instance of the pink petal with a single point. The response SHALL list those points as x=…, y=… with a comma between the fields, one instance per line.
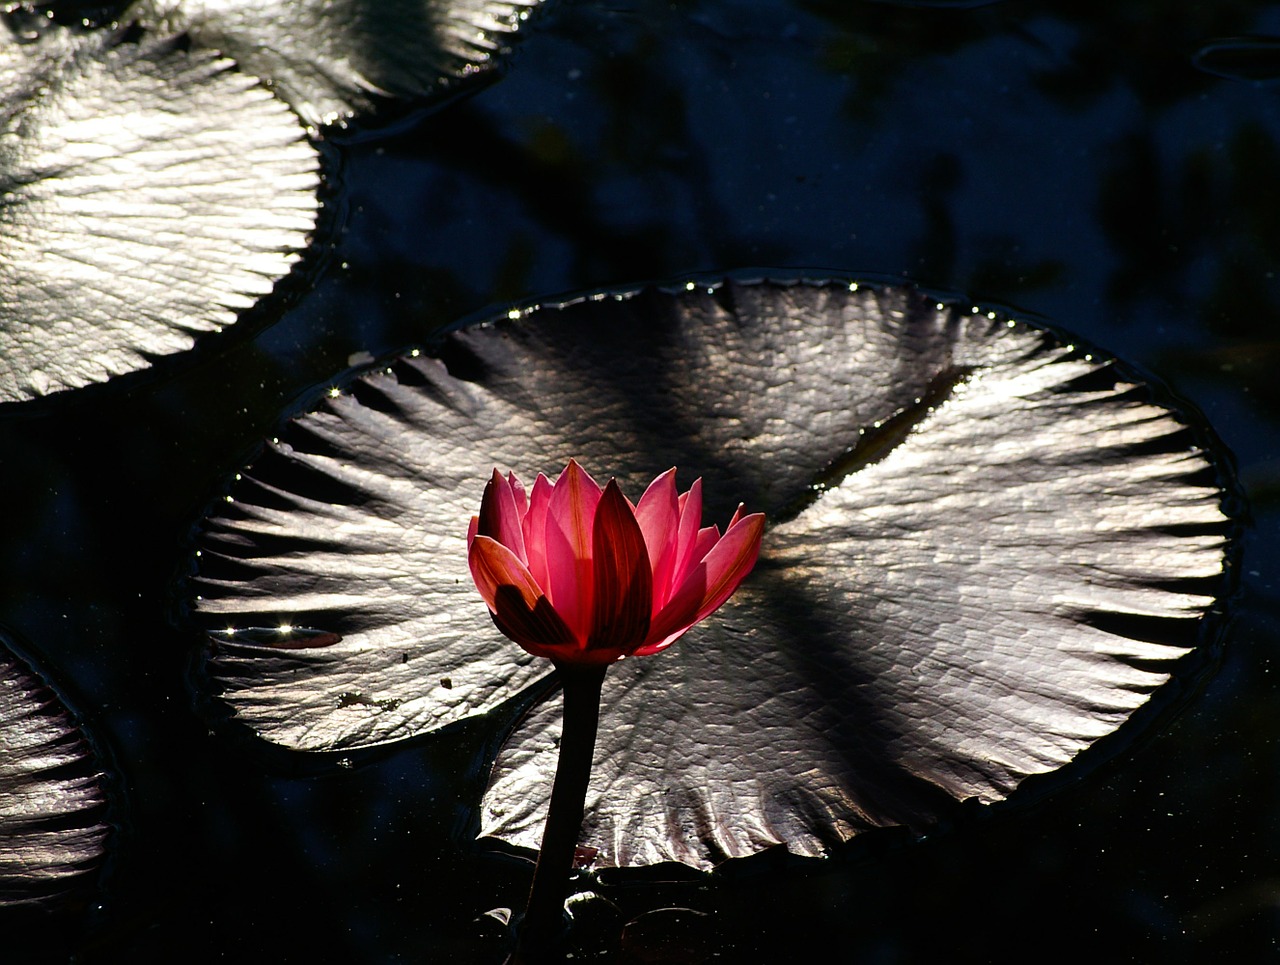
x=472, y=530
x=519, y=608
x=708, y=537
x=535, y=529
x=659, y=645
x=493, y=565
x=499, y=518
x=658, y=514
x=690, y=520
x=622, y=576
x=541, y=632
x=570, y=516
x=711, y=581
x=522, y=500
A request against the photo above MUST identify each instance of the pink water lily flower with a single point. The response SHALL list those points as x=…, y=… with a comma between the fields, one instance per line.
x=576, y=573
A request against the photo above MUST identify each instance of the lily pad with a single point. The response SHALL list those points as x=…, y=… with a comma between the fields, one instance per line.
x=328, y=59
x=986, y=548
x=51, y=797
x=148, y=193
x=154, y=181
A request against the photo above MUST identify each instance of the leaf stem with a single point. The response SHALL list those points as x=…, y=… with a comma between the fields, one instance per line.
x=543, y=922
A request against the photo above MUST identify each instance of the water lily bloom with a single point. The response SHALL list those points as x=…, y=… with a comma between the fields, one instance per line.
x=577, y=573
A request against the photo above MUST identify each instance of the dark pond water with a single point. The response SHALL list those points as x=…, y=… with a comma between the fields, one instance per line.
x=1067, y=159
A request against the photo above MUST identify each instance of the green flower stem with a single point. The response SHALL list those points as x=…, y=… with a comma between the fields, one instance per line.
x=543, y=921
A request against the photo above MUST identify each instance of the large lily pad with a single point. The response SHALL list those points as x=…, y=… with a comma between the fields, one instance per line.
x=985, y=550
x=51, y=798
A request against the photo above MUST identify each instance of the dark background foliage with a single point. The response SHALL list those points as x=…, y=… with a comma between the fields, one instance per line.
x=1068, y=159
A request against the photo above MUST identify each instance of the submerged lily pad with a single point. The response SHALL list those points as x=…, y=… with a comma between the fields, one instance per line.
x=985, y=550
x=1255, y=59
x=51, y=799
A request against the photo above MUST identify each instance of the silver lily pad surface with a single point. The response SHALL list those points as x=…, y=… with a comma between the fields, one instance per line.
x=328, y=59
x=150, y=193
x=156, y=176
x=51, y=798
x=985, y=549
